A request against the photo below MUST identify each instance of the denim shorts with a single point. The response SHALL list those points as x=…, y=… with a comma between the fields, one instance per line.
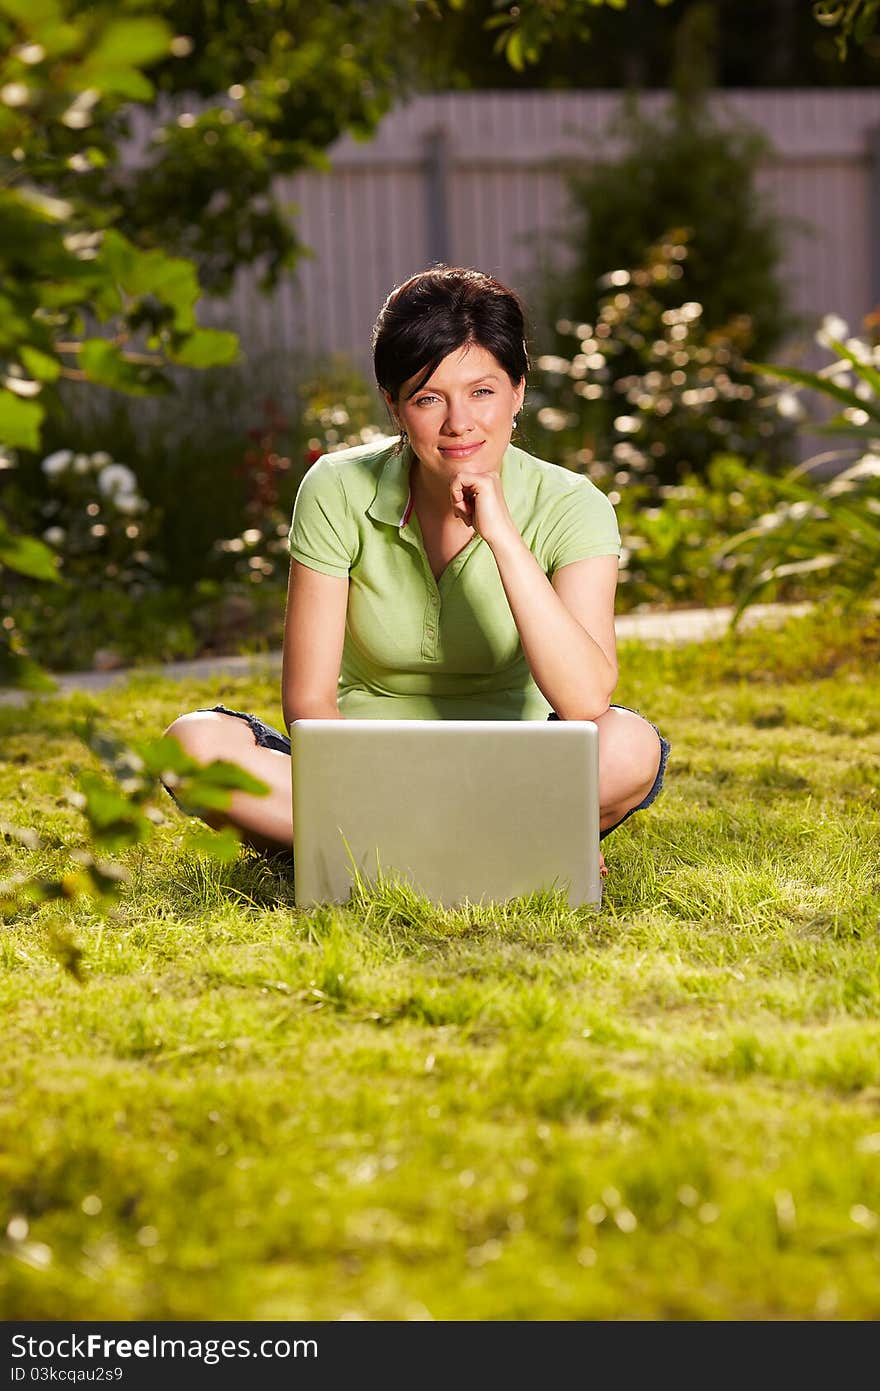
x=268, y=737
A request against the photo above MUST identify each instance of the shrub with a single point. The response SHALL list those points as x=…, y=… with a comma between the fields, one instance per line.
x=647, y=391
x=825, y=530
x=335, y=408
x=682, y=168
x=190, y=555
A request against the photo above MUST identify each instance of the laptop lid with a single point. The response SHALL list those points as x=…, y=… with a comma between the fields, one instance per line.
x=463, y=810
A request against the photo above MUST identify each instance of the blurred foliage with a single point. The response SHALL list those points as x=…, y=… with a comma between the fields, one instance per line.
x=118, y=805
x=687, y=169
x=78, y=301
x=827, y=523
x=676, y=539
x=648, y=392
x=335, y=408
x=202, y=567
x=246, y=94
x=638, y=43
x=850, y=21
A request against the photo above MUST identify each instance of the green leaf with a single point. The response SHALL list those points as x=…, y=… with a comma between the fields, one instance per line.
x=32, y=12
x=869, y=434
x=864, y=370
x=20, y=421
x=170, y=279
x=165, y=755
x=26, y=555
x=224, y=845
x=207, y=347
x=116, y=82
x=40, y=365
x=21, y=671
x=104, y=364
x=814, y=382
x=223, y=774
x=119, y=257
x=865, y=23
x=115, y=821
x=514, y=50
x=131, y=43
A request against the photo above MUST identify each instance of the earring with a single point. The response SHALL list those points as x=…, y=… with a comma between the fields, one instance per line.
x=515, y=419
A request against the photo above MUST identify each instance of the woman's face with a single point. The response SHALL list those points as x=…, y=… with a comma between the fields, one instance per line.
x=462, y=418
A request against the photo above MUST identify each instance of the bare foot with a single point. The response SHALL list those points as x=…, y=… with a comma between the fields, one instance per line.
x=603, y=868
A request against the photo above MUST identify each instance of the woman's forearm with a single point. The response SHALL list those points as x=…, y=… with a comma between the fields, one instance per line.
x=568, y=666
x=311, y=710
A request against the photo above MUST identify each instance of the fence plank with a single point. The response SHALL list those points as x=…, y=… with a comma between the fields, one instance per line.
x=505, y=157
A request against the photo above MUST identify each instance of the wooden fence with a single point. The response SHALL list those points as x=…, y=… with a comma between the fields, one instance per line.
x=481, y=179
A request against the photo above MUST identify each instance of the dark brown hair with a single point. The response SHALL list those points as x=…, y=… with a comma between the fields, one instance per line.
x=441, y=309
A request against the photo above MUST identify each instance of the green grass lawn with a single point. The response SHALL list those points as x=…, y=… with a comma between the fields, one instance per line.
x=666, y=1110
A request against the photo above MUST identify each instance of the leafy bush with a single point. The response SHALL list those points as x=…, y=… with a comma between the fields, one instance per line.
x=673, y=537
x=648, y=391
x=190, y=556
x=335, y=408
x=825, y=530
x=681, y=168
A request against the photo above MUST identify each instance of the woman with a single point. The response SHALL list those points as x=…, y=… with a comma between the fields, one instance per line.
x=444, y=574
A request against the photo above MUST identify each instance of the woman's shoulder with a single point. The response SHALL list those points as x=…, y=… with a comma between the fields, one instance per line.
x=347, y=478
x=368, y=458
x=554, y=481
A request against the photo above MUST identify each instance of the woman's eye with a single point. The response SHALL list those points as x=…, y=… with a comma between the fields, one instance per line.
x=483, y=391
x=425, y=400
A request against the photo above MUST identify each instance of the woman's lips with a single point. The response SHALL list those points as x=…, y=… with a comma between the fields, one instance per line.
x=460, y=451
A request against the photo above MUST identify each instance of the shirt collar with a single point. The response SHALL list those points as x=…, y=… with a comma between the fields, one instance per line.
x=391, y=502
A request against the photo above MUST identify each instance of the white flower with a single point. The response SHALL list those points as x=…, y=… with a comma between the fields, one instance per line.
x=128, y=502
x=116, y=479
x=789, y=406
x=861, y=351
x=57, y=462
x=832, y=326
x=54, y=535
x=100, y=458
x=866, y=467
x=82, y=463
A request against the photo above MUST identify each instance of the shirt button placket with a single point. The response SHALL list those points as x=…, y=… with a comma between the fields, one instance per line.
x=432, y=624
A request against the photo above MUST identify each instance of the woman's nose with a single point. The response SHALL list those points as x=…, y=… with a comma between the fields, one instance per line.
x=458, y=419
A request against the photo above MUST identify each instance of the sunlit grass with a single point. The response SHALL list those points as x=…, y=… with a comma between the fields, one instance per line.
x=389, y=1110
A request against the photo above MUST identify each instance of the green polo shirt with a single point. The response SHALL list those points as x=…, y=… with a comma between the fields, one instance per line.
x=420, y=648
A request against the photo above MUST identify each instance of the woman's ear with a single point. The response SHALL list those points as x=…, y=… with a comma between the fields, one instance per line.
x=389, y=401
x=519, y=395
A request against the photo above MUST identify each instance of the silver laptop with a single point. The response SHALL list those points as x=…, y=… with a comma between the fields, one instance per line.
x=465, y=811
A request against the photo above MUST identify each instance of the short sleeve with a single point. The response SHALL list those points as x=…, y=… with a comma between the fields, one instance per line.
x=321, y=533
x=584, y=525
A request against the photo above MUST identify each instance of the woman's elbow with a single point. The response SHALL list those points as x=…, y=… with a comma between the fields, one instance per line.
x=309, y=705
x=592, y=699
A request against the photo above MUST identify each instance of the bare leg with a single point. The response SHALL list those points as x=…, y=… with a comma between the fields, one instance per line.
x=266, y=823
x=629, y=759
